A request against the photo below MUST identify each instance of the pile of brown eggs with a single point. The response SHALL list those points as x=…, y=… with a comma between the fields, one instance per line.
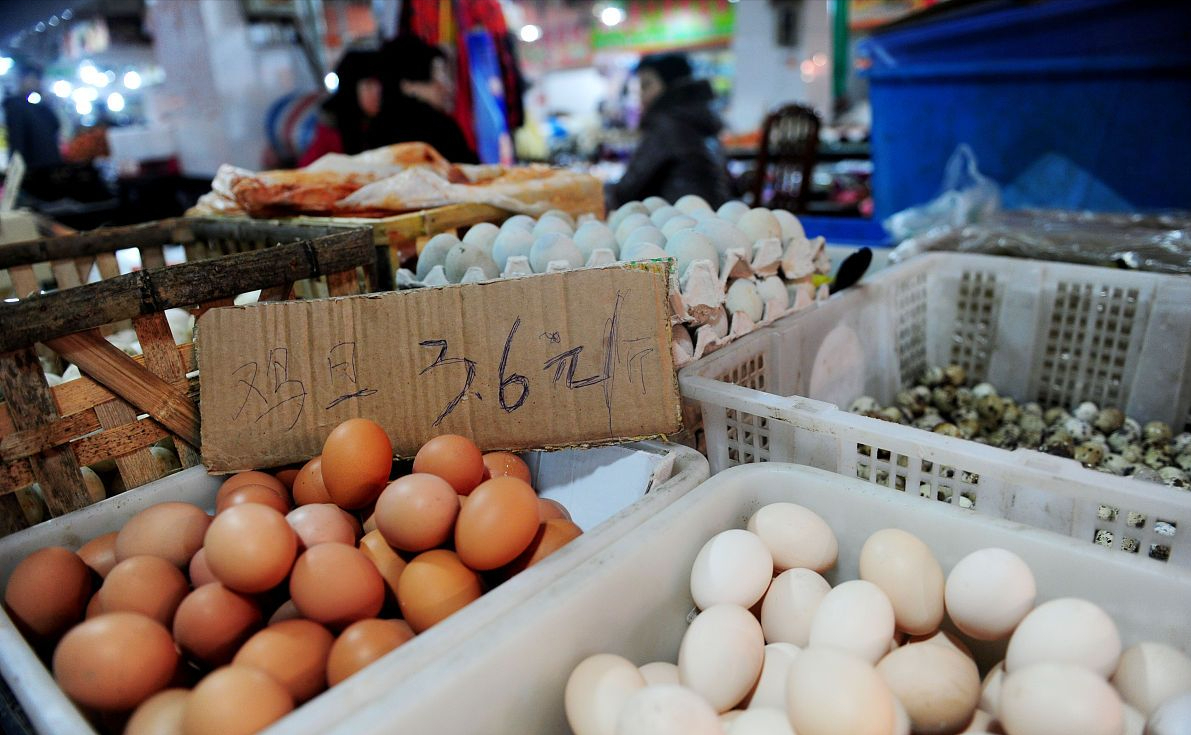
x=184, y=622
x=1104, y=439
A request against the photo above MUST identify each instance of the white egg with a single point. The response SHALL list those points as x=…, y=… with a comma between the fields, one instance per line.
x=679, y=222
x=990, y=688
x=759, y=224
x=482, y=234
x=856, y=617
x=594, y=235
x=663, y=215
x=743, y=297
x=597, y=690
x=629, y=224
x=791, y=227
x=687, y=246
x=774, y=289
x=553, y=224
x=466, y=255
x=719, y=322
x=435, y=253
x=1068, y=630
x=831, y=692
x=95, y=488
x=1135, y=722
x=790, y=605
x=907, y=572
x=796, y=536
x=653, y=204
x=938, y=686
x=667, y=709
x=509, y=243
x=770, y=689
x=659, y=672
x=625, y=210
x=553, y=246
x=988, y=593
x=721, y=655
x=725, y=236
x=560, y=214
x=692, y=203
x=1059, y=699
x=1172, y=718
x=762, y=721
x=643, y=251
x=1151, y=674
x=734, y=567
x=641, y=235
x=519, y=222
x=732, y=211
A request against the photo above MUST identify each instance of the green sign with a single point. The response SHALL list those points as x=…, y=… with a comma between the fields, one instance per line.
x=661, y=24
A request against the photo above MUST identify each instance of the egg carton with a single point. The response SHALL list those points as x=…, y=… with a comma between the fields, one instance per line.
x=608, y=490
x=633, y=599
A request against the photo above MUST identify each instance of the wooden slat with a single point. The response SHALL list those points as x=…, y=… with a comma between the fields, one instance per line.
x=14, y=475
x=344, y=283
x=30, y=405
x=22, y=444
x=137, y=467
x=12, y=515
x=162, y=358
x=131, y=381
x=83, y=265
x=102, y=240
x=24, y=281
x=213, y=304
x=50, y=315
x=152, y=256
x=109, y=267
x=66, y=273
x=284, y=292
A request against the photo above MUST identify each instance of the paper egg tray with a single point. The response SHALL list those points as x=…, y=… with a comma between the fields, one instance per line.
x=608, y=490
x=633, y=597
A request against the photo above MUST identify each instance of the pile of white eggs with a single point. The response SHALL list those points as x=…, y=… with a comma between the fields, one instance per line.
x=776, y=650
x=734, y=268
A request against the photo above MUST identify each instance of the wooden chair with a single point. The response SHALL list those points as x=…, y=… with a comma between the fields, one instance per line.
x=786, y=158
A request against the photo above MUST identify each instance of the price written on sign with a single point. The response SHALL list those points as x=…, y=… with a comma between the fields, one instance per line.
x=578, y=357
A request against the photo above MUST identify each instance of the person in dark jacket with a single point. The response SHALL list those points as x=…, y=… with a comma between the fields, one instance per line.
x=348, y=121
x=33, y=132
x=679, y=152
x=418, y=98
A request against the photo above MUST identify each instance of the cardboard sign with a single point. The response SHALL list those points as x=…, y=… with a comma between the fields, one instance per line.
x=544, y=361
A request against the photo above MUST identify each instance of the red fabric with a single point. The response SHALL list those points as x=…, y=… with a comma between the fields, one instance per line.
x=326, y=140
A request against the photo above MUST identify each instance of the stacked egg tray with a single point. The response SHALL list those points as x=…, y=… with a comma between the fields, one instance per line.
x=608, y=491
x=735, y=269
x=634, y=599
x=1056, y=334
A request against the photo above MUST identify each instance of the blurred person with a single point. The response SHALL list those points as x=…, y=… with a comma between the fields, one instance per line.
x=349, y=121
x=419, y=97
x=679, y=152
x=33, y=132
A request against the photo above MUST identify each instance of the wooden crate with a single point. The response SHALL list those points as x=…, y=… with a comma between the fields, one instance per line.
x=123, y=405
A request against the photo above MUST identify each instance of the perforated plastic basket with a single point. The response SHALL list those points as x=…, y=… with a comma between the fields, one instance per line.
x=1050, y=332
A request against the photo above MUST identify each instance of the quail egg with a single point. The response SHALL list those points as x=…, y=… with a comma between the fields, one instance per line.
x=990, y=407
x=947, y=429
x=934, y=376
x=1109, y=420
x=955, y=374
x=1181, y=443
x=1173, y=476
x=1184, y=461
x=1089, y=454
x=1086, y=411
x=1055, y=415
x=1156, y=431
x=864, y=404
x=1117, y=464
x=1079, y=429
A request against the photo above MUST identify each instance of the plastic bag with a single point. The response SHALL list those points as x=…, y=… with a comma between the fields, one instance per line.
x=968, y=196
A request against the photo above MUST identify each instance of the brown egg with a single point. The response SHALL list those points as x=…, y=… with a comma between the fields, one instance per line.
x=455, y=459
x=308, y=485
x=212, y=622
x=336, y=585
x=250, y=548
x=251, y=477
x=294, y=653
x=386, y=561
x=115, y=661
x=235, y=700
x=100, y=553
x=363, y=642
x=370, y=523
x=94, y=607
x=548, y=509
x=497, y=523
x=357, y=459
x=357, y=529
x=48, y=592
x=285, y=611
x=287, y=477
x=320, y=523
x=506, y=464
x=199, y=572
x=253, y=494
x=417, y=512
x=434, y=585
x=148, y=585
x=160, y=714
x=171, y=530
x=552, y=535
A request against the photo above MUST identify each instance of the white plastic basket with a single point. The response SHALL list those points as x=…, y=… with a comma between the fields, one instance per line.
x=1050, y=332
x=633, y=598
x=611, y=489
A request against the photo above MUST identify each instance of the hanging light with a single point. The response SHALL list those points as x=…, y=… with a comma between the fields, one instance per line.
x=132, y=79
x=83, y=107
x=530, y=33
x=62, y=88
x=115, y=102
x=612, y=15
x=5, y=65
x=34, y=98
x=331, y=81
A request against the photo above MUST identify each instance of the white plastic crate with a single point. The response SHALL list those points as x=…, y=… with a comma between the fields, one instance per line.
x=1050, y=332
x=633, y=598
x=613, y=488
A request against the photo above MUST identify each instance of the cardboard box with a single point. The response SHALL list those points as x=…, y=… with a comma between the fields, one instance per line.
x=562, y=359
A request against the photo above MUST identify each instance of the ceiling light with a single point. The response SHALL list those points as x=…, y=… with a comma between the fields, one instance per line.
x=62, y=88
x=331, y=81
x=34, y=98
x=611, y=15
x=530, y=33
x=83, y=107
x=132, y=80
x=115, y=102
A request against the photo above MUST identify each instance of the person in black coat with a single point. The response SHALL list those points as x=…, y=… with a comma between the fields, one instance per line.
x=418, y=96
x=679, y=152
